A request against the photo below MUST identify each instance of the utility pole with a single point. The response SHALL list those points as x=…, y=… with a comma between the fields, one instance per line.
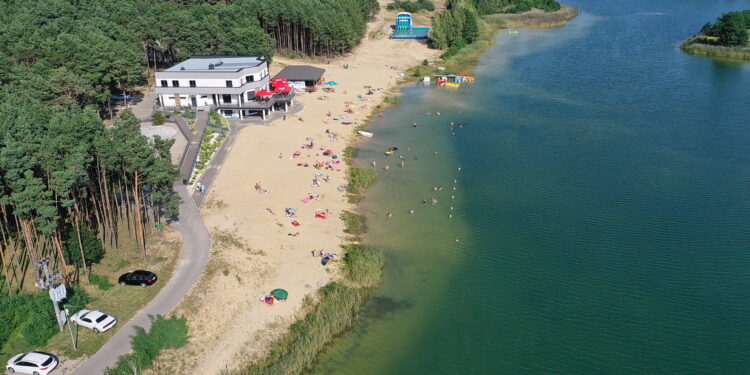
x=57, y=292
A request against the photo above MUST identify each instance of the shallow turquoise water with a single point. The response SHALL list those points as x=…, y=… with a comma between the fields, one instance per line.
x=602, y=209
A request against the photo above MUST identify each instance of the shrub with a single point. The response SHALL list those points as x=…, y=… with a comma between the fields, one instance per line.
x=411, y=6
x=169, y=333
x=76, y=300
x=158, y=117
x=38, y=319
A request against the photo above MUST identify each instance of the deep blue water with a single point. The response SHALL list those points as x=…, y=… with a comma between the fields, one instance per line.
x=601, y=216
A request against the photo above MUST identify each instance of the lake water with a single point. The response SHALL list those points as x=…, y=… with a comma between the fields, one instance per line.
x=600, y=220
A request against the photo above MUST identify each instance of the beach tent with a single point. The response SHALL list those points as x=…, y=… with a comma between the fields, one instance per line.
x=280, y=294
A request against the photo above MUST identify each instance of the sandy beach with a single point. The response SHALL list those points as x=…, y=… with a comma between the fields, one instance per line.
x=256, y=247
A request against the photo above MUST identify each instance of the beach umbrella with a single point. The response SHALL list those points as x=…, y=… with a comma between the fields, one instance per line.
x=331, y=83
x=282, y=89
x=263, y=92
x=280, y=293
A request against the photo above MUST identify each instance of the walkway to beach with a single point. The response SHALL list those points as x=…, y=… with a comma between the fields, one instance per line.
x=209, y=176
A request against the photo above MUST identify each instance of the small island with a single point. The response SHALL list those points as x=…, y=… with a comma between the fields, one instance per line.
x=727, y=38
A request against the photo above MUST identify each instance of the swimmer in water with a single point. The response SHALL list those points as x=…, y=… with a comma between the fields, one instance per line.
x=413, y=124
x=411, y=211
x=390, y=214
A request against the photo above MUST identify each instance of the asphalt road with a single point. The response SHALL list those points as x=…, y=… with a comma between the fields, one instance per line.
x=195, y=246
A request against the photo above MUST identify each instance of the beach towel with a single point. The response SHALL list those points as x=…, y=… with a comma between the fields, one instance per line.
x=296, y=223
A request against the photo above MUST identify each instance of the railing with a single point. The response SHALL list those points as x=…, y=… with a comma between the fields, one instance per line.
x=252, y=105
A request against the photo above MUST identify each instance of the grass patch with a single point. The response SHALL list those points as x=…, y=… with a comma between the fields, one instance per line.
x=359, y=180
x=353, y=224
x=393, y=100
x=101, y=281
x=122, y=264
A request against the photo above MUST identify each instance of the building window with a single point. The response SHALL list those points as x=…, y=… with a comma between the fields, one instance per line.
x=226, y=99
x=250, y=95
x=164, y=83
x=192, y=83
x=229, y=83
x=171, y=98
x=175, y=83
x=250, y=78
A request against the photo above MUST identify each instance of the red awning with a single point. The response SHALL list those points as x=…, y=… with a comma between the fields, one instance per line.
x=263, y=92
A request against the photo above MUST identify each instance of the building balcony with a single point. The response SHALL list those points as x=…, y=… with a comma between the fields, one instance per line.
x=239, y=90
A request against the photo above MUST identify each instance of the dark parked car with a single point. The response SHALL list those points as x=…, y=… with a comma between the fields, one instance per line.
x=140, y=277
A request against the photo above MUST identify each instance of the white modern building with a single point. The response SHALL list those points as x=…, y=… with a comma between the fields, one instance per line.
x=224, y=83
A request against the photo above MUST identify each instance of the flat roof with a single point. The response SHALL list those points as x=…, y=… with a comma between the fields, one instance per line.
x=220, y=63
x=301, y=73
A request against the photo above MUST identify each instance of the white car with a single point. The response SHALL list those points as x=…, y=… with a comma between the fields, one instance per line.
x=92, y=319
x=36, y=363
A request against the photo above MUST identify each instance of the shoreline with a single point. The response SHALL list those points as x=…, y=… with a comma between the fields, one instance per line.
x=466, y=59
x=243, y=234
x=693, y=46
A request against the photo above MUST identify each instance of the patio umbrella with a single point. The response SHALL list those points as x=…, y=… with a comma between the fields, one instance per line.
x=280, y=293
x=279, y=81
x=263, y=92
x=282, y=89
